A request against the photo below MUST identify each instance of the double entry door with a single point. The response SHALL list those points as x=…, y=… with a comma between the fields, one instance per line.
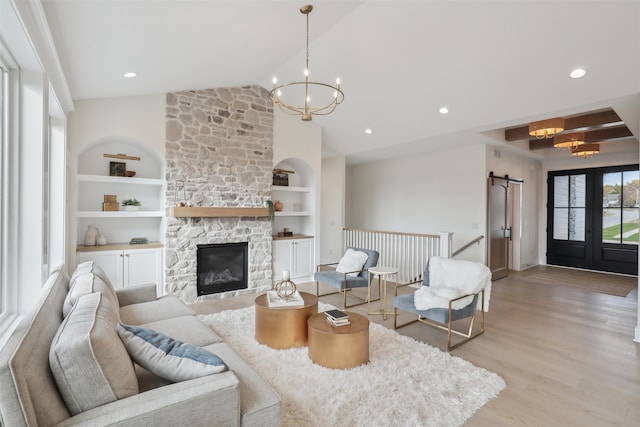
x=593, y=218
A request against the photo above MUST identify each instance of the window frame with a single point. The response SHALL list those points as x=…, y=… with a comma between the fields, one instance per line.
x=9, y=303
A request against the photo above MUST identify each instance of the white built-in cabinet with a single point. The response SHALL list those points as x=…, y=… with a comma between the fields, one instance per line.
x=128, y=267
x=125, y=264
x=295, y=253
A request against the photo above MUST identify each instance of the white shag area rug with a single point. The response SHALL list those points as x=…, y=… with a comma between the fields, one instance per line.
x=405, y=383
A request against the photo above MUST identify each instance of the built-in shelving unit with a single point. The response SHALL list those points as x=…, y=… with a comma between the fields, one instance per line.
x=295, y=253
x=94, y=181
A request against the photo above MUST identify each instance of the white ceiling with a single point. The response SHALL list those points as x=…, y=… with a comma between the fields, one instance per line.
x=494, y=64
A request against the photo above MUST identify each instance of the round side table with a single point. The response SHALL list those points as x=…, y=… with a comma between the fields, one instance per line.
x=383, y=273
x=339, y=347
x=284, y=327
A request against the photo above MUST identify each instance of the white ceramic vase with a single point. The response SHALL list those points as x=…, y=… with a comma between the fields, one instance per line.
x=90, y=236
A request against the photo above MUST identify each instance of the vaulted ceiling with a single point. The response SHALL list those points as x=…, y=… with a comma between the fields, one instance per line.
x=495, y=64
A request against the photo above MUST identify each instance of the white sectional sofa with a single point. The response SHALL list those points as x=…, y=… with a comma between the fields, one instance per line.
x=41, y=386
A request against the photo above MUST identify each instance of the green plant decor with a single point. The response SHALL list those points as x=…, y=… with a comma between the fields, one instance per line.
x=131, y=202
x=272, y=212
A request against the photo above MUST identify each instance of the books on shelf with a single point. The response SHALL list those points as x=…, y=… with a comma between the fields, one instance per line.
x=275, y=301
x=138, y=241
x=337, y=317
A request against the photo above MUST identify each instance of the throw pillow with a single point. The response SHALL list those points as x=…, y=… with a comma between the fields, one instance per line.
x=87, y=283
x=89, y=267
x=166, y=357
x=88, y=361
x=352, y=261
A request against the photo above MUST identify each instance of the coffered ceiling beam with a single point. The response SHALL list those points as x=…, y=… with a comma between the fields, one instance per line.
x=598, y=135
x=584, y=121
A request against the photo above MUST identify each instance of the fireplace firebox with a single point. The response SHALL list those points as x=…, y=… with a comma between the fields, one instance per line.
x=222, y=267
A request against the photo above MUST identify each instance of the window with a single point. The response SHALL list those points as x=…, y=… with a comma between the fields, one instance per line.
x=620, y=210
x=3, y=180
x=569, y=203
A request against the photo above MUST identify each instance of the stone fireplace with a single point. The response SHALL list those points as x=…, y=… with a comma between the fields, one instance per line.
x=219, y=153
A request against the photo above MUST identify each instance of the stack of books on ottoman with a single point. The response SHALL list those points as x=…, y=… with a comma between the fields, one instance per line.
x=337, y=317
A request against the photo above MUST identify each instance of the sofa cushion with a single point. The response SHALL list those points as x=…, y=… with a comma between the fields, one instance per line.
x=90, y=364
x=87, y=283
x=188, y=329
x=166, y=307
x=167, y=357
x=260, y=405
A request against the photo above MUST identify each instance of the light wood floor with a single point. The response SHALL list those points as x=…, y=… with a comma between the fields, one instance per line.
x=567, y=355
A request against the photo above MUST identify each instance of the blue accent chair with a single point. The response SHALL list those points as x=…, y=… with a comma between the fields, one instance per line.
x=342, y=281
x=441, y=318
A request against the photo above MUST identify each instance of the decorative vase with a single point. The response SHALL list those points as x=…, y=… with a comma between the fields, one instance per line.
x=277, y=205
x=90, y=236
x=101, y=240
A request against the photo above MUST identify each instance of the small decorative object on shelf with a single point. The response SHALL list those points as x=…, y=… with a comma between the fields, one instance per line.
x=90, y=236
x=281, y=177
x=110, y=203
x=285, y=233
x=129, y=174
x=121, y=156
x=269, y=205
x=117, y=168
x=101, y=240
x=131, y=204
x=278, y=205
x=139, y=241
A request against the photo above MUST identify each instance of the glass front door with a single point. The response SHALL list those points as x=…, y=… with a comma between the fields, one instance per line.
x=593, y=218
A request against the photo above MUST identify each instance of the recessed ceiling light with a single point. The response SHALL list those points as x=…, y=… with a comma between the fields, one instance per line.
x=577, y=73
x=368, y=131
x=443, y=110
x=130, y=74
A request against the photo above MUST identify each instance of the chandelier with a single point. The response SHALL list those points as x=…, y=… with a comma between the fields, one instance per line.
x=568, y=140
x=586, y=150
x=306, y=110
x=546, y=128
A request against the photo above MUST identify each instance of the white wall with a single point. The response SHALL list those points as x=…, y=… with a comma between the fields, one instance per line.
x=136, y=119
x=435, y=192
x=332, y=208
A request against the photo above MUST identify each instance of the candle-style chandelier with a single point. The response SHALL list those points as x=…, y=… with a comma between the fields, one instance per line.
x=306, y=110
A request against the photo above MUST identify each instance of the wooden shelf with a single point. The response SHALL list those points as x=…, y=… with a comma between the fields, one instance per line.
x=120, y=214
x=212, y=212
x=295, y=236
x=290, y=189
x=292, y=213
x=120, y=180
x=118, y=247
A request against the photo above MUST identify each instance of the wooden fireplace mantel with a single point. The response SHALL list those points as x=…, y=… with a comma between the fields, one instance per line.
x=213, y=212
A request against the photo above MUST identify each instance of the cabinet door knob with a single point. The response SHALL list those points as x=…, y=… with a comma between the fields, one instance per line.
x=127, y=255
x=121, y=255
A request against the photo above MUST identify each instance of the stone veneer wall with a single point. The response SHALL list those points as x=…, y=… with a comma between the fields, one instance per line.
x=220, y=143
